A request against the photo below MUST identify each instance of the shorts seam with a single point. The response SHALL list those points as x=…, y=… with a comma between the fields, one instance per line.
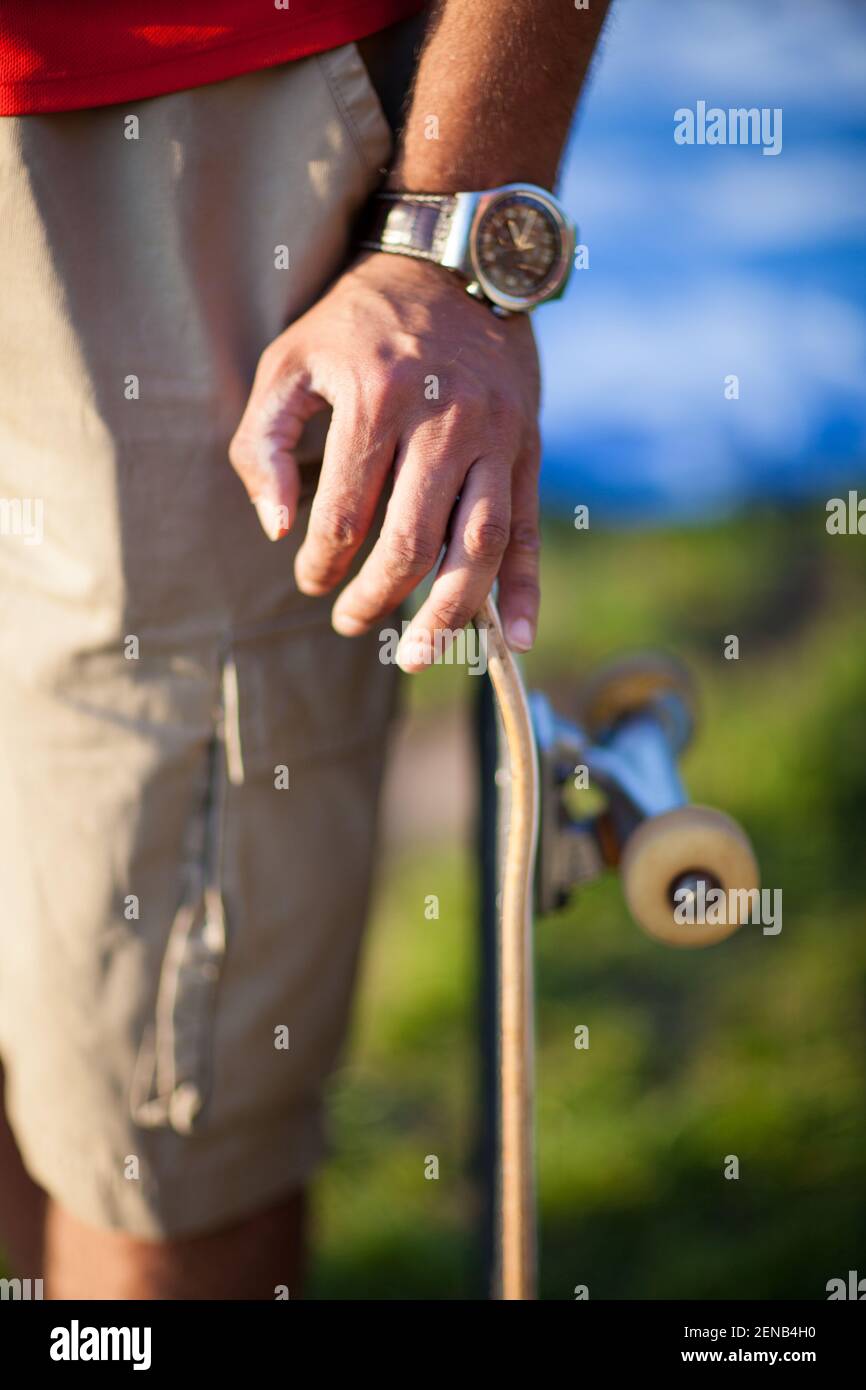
x=329, y=65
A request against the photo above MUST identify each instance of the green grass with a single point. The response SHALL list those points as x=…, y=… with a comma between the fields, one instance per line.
x=755, y=1048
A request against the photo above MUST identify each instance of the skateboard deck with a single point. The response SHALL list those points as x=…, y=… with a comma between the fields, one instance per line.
x=517, y=778
x=635, y=719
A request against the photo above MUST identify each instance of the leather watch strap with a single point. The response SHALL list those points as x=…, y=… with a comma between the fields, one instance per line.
x=408, y=224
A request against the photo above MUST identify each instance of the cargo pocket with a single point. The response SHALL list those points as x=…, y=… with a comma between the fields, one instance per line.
x=173, y=1069
x=293, y=697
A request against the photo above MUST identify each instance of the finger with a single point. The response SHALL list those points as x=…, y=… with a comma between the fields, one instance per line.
x=519, y=593
x=429, y=474
x=262, y=451
x=359, y=452
x=479, y=535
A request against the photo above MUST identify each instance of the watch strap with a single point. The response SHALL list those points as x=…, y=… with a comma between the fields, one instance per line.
x=408, y=224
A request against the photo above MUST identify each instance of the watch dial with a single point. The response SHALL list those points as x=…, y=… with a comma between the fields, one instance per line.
x=518, y=245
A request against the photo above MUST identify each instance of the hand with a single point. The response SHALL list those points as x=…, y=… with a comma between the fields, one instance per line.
x=427, y=382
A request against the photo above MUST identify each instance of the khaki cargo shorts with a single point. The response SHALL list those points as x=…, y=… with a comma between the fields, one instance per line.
x=190, y=757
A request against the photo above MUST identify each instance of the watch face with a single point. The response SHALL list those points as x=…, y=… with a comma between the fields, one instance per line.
x=519, y=245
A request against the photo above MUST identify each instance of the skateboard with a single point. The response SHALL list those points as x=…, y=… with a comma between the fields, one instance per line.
x=635, y=718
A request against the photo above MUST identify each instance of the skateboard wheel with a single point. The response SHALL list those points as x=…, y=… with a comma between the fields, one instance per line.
x=631, y=684
x=685, y=846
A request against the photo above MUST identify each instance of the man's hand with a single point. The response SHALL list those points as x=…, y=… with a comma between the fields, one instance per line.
x=429, y=384
x=423, y=380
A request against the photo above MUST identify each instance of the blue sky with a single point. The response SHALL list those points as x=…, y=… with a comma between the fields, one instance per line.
x=707, y=261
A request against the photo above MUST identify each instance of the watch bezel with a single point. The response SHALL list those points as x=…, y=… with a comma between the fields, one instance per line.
x=557, y=279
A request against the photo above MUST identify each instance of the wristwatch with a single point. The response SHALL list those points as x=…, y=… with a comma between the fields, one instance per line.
x=514, y=245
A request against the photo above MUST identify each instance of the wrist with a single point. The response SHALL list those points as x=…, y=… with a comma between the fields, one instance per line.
x=424, y=165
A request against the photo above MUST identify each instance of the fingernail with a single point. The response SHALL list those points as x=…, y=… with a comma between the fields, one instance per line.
x=273, y=517
x=415, y=652
x=346, y=625
x=519, y=635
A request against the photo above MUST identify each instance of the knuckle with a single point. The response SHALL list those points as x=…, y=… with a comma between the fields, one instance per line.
x=409, y=552
x=236, y=450
x=270, y=361
x=525, y=583
x=269, y=354
x=471, y=398
x=338, y=529
x=461, y=416
x=450, y=614
x=241, y=454
x=485, y=538
x=525, y=538
x=400, y=376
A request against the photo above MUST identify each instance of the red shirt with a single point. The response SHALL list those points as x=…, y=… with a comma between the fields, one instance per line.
x=56, y=55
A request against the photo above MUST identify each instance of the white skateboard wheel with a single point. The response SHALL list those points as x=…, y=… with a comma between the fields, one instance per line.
x=690, y=843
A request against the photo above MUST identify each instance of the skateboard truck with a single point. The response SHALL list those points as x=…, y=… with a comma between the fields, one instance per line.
x=636, y=717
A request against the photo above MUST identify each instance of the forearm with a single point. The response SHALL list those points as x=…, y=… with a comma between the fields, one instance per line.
x=494, y=94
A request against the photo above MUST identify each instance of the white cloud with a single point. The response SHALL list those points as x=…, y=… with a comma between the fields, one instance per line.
x=655, y=366
x=745, y=205
x=813, y=51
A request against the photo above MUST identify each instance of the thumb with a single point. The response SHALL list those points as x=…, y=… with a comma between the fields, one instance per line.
x=262, y=451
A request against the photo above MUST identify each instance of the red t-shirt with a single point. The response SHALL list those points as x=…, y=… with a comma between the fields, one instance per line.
x=57, y=56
